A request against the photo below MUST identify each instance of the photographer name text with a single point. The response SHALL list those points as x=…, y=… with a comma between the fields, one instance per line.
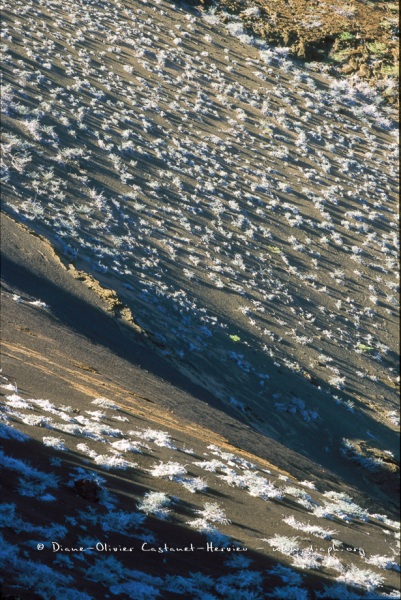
x=145, y=547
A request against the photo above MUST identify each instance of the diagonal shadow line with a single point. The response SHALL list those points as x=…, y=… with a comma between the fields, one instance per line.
x=91, y=322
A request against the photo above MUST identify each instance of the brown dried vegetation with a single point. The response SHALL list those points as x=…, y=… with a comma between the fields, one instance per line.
x=356, y=38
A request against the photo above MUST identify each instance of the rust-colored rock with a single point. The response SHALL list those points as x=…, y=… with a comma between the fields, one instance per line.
x=364, y=71
x=349, y=68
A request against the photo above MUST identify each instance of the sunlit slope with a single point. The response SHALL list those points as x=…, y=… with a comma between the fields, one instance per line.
x=242, y=207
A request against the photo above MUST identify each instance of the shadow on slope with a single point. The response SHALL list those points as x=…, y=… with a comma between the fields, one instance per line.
x=95, y=572
x=102, y=340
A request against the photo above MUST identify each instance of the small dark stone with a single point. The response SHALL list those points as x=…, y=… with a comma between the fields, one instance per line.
x=88, y=489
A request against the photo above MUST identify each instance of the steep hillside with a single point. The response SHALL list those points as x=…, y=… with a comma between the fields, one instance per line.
x=215, y=247
x=121, y=477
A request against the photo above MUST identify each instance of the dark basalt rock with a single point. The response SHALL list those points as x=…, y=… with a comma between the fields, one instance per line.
x=88, y=489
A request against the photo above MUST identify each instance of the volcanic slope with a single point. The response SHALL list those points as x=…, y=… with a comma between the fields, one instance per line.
x=234, y=209
x=113, y=464
x=241, y=206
